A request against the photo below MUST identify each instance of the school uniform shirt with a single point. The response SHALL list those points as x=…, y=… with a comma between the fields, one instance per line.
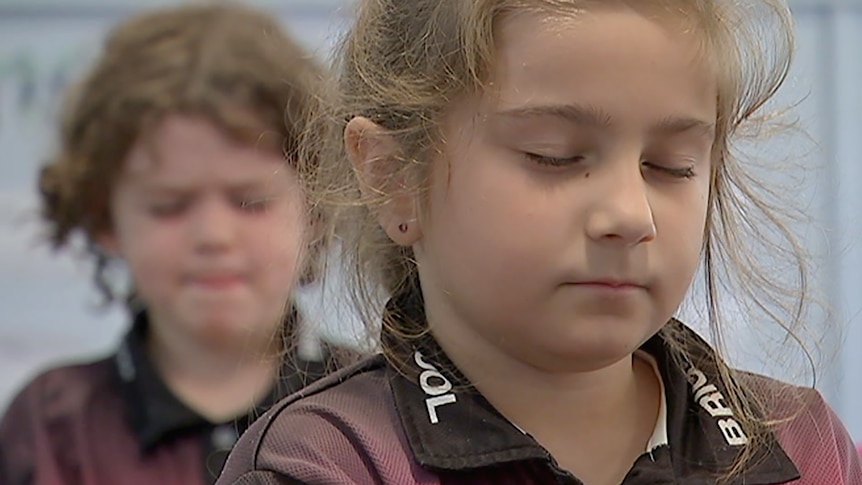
x=115, y=422
x=413, y=420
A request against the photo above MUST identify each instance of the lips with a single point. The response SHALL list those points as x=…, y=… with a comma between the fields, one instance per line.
x=216, y=280
x=610, y=284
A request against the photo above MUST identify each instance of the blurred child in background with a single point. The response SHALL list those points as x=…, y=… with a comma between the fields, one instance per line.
x=176, y=157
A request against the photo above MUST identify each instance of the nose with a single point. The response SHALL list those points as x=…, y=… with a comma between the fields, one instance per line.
x=213, y=226
x=622, y=212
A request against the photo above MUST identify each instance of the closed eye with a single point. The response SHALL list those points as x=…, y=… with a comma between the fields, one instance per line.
x=255, y=204
x=677, y=172
x=168, y=209
x=553, y=161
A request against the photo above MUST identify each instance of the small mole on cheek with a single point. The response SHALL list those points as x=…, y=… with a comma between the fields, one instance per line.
x=587, y=175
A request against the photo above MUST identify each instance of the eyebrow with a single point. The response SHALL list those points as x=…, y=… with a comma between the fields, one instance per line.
x=582, y=115
x=598, y=118
x=171, y=188
x=672, y=125
x=165, y=191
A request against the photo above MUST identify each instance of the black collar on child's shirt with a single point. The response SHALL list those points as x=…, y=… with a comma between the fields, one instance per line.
x=157, y=416
x=451, y=427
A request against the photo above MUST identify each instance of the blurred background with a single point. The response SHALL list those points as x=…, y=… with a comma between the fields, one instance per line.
x=49, y=311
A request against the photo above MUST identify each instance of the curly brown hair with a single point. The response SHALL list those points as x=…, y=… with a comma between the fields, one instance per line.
x=228, y=64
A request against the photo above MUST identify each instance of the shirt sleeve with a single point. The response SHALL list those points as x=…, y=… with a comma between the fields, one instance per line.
x=18, y=435
x=819, y=444
x=265, y=478
x=848, y=457
x=299, y=448
x=274, y=478
x=350, y=436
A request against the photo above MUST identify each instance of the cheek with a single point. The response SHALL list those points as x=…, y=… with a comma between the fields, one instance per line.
x=479, y=219
x=151, y=282
x=462, y=210
x=152, y=249
x=681, y=224
x=470, y=193
x=154, y=266
x=681, y=212
x=277, y=242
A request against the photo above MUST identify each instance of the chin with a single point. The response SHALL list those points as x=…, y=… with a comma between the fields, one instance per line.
x=584, y=351
x=585, y=357
x=230, y=330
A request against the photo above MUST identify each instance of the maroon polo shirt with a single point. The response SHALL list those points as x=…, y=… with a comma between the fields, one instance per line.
x=420, y=423
x=114, y=421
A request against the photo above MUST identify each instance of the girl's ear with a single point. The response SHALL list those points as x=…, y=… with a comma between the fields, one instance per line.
x=374, y=154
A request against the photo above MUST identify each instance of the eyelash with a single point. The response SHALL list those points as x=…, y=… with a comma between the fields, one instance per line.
x=167, y=210
x=257, y=204
x=682, y=173
x=247, y=204
x=553, y=161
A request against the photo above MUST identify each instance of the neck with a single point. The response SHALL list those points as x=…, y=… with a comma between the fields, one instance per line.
x=219, y=383
x=594, y=423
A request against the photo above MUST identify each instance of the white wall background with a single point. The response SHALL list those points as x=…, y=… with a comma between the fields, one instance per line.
x=829, y=66
x=47, y=307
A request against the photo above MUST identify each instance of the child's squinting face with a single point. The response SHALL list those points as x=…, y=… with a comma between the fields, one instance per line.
x=211, y=230
x=566, y=224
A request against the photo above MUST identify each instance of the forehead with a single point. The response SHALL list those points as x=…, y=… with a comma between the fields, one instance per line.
x=605, y=55
x=184, y=149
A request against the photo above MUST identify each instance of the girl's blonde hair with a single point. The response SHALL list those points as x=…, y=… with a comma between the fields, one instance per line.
x=230, y=65
x=404, y=62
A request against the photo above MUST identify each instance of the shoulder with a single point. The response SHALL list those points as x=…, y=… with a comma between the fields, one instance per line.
x=343, y=428
x=809, y=431
x=30, y=423
x=62, y=387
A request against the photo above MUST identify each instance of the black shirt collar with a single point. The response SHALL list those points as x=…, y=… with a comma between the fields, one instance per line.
x=469, y=433
x=156, y=415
